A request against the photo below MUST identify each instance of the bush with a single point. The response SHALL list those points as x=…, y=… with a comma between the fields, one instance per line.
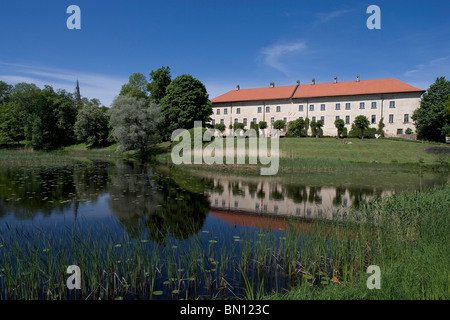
x=355, y=132
x=279, y=124
x=220, y=126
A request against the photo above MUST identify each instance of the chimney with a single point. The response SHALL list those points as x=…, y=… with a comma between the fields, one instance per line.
x=272, y=84
x=313, y=81
x=237, y=88
x=357, y=78
x=335, y=79
x=298, y=82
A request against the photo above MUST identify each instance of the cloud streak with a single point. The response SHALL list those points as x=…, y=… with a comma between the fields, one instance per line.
x=100, y=86
x=273, y=56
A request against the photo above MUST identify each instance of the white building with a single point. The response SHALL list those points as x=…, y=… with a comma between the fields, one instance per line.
x=390, y=99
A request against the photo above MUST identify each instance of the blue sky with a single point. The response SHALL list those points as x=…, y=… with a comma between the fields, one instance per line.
x=221, y=43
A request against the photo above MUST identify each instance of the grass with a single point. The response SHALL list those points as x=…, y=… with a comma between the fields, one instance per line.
x=406, y=235
x=331, y=154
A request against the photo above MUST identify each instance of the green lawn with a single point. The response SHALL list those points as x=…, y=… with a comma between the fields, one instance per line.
x=383, y=151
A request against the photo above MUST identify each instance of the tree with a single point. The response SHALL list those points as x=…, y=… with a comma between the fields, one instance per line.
x=296, y=128
x=160, y=80
x=362, y=123
x=186, y=101
x=430, y=118
x=137, y=86
x=279, y=124
x=220, y=127
x=319, y=125
x=238, y=126
x=262, y=125
x=134, y=123
x=5, y=91
x=92, y=126
x=340, y=125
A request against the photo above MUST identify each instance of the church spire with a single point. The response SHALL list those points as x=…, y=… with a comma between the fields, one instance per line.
x=77, y=92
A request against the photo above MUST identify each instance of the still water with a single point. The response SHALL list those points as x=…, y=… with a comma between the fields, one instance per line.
x=170, y=205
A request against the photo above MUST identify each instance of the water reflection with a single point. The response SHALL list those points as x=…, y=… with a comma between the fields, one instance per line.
x=158, y=202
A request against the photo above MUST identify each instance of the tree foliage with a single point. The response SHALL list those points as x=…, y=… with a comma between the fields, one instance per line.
x=137, y=87
x=279, y=124
x=92, y=126
x=296, y=128
x=186, y=101
x=160, y=80
x=340, y=125
x=134, y=123
x=361, y=122
x=431, y=119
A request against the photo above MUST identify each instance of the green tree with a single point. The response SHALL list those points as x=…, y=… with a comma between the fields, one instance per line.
x=279, y=124
x=431, y=119
x=137, y=87
x=262, y=125
x=340, y=125
x=5, y=91
x=134, y=123
x=296, y=128
x=220, y=127
x=160, y=80
x=92, y=126
x=362, y=123
x=238, y=126
x=186, y=101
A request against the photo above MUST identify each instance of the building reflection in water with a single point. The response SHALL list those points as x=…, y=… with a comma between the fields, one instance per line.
x=266, y=197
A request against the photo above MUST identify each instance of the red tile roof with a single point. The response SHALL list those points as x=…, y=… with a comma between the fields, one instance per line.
x=329, y=89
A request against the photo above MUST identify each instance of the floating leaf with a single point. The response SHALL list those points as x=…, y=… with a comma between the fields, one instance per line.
x=212, y=241
x=118, y=245
x=175, y=291
x=158, y=292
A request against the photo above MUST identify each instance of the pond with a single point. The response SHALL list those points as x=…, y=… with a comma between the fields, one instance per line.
x=213, y=219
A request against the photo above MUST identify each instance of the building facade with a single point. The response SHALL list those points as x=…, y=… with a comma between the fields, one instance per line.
x=389, y=99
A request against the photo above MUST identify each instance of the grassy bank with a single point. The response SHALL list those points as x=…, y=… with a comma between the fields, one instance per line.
x=330, y=154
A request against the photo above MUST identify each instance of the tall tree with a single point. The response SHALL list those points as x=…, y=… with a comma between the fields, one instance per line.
x=137, y=86
x=186, y=101
x=5, y=91
x=362, y=123
x=430, y=118
x=160, y=80
x=134, y=122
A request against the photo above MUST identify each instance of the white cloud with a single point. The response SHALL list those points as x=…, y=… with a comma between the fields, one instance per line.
x=92, y=85
x=274, y=55
x=323, y=17
x=439, y=65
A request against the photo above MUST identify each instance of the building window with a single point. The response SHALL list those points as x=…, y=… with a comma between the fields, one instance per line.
x=322, y=118
x=213, y=122
x=257, y=206
x=391, y=104
x=300, y=107
x=322, y=107
x=362, y=105
x=254, y=120
x=272, y=120
x=311, y=107
x=399, y=131
x=337, y=118
x=300, y=118
x=338, y=106
x=221, y=121
x=236, y=204
x=347, y=106
x=225, y=111
x=313, y=119
x=278, y=108
x=238, y=110
x=235, y=120
x=245, y=121
x=285, y=120
x=391, y=118
x=218, y=111
x=406, y=118
x=275, y=209
x=267, y=109
x=374, y=105
x=347, y=119
x=374, y=119
x=298, y=211
x=259, y=109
